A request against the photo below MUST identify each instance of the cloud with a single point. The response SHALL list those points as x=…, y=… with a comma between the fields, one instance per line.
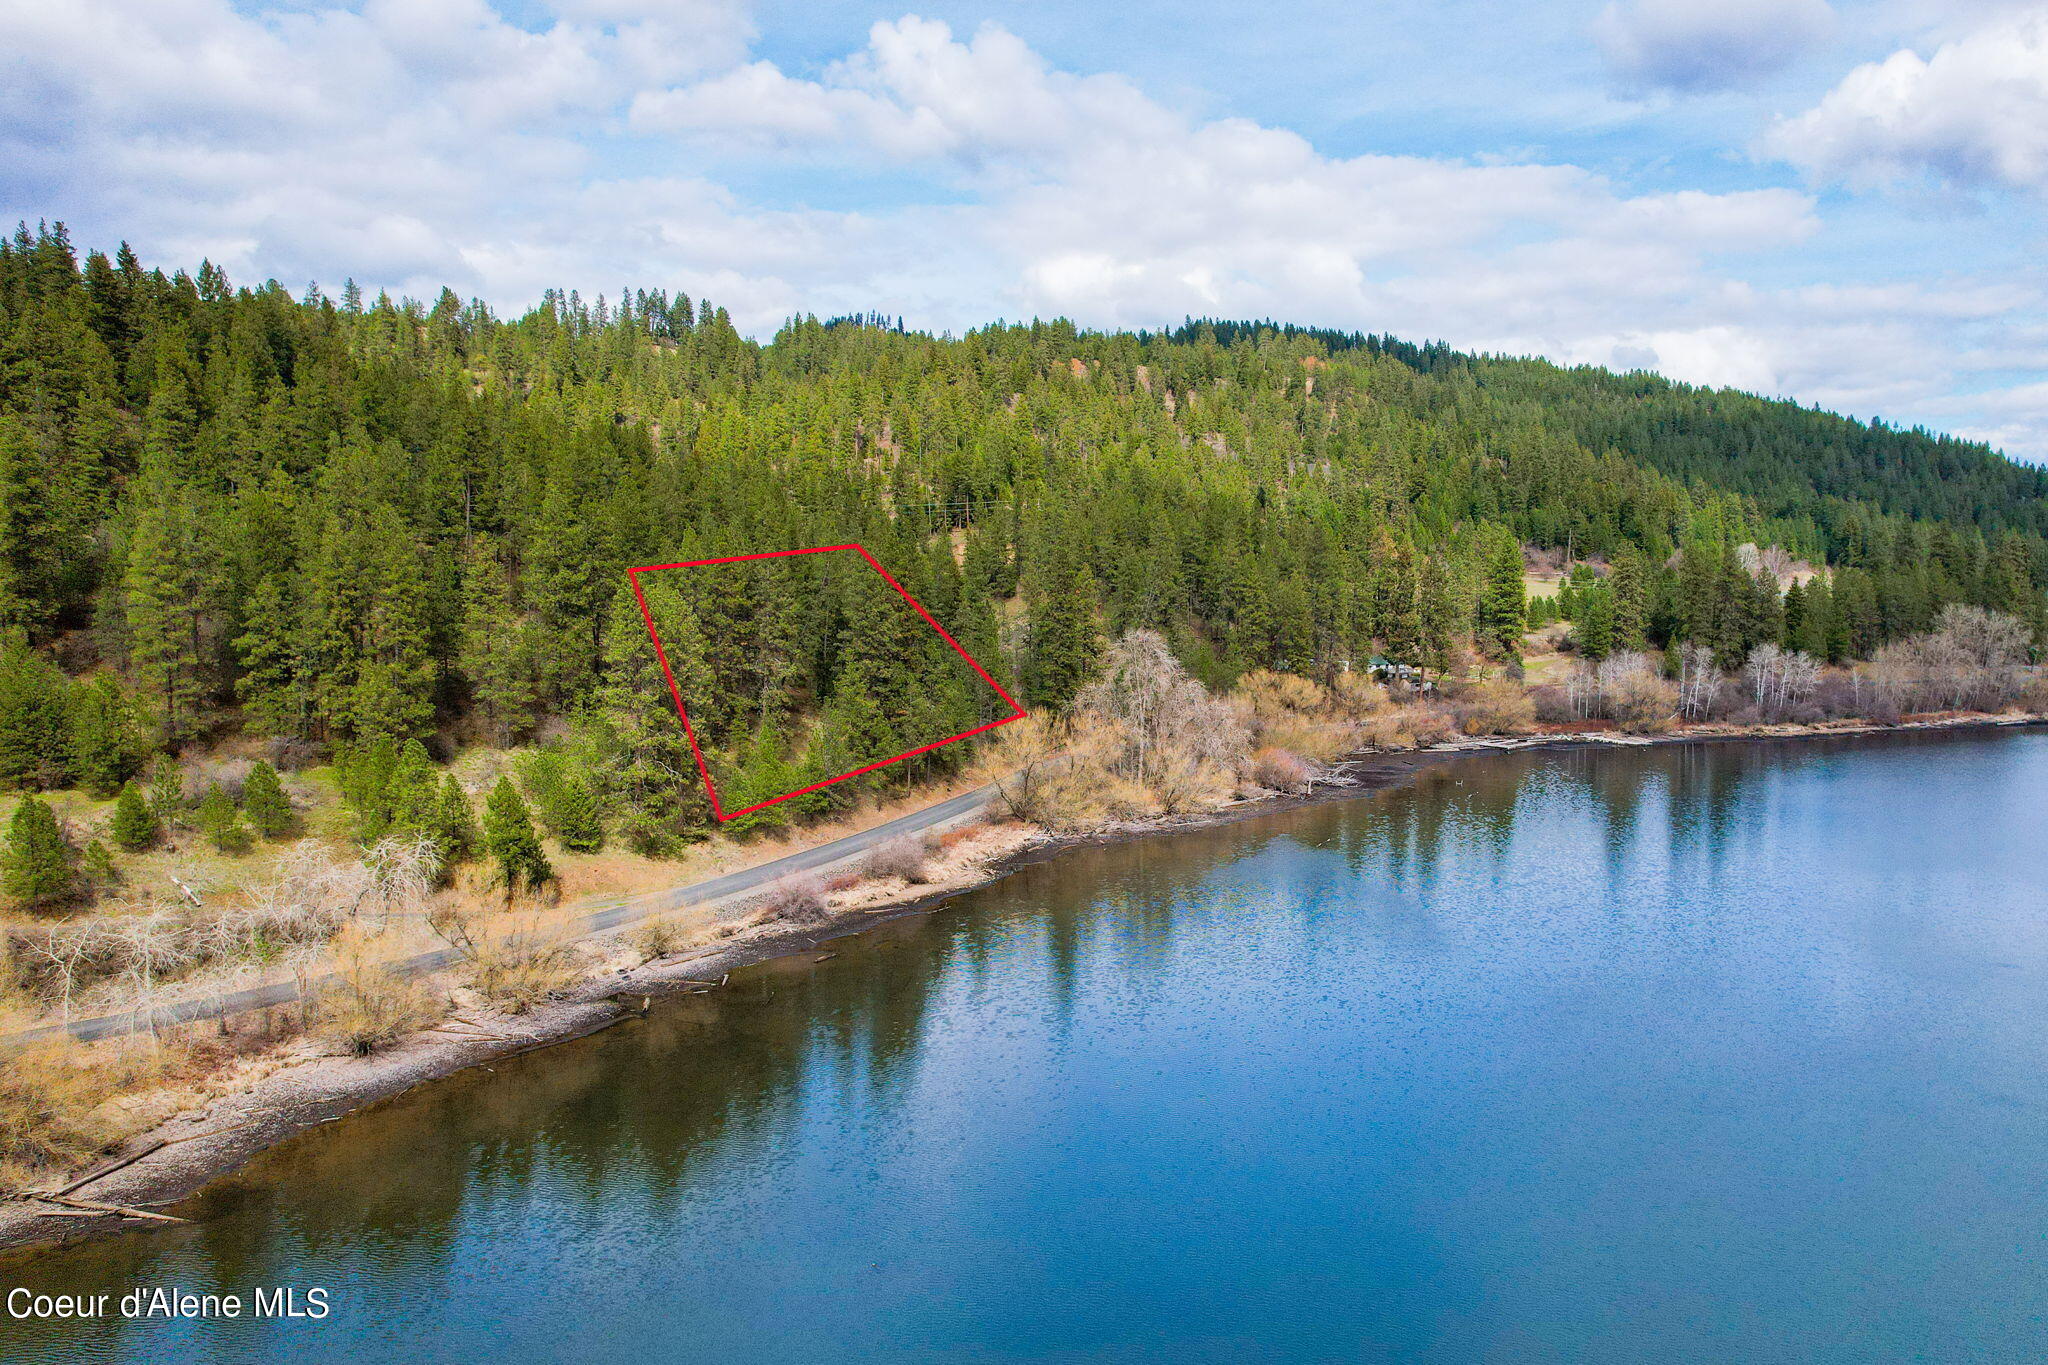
x=1972, y=116
x=431, y=142
x=389, y=142
x=1689, y=46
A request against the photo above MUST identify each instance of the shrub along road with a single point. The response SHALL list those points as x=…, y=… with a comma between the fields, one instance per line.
x=602, y=920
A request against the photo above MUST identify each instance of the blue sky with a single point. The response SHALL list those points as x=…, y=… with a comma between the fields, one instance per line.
x=1834, y=200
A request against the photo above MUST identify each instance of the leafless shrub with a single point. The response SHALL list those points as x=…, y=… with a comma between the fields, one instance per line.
x=907, y=856
x=798, y=898
x=1494, y=707
x=1634, y=693
x=228, y=773
x=402, y=871
x=1155, y=715
x=1354, y=696
x=1273, y=695
x=1414, y=726
x=1552, y=703
x=1772, y=562
x=514, y=961
x=369, y=1006
x=1281, y=770
x=68, y=957
x=1972, y=658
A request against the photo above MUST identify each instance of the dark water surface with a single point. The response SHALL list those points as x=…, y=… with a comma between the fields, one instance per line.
x=1731, y=1053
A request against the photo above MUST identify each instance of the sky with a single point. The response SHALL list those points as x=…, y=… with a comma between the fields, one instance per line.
x=1837, y=201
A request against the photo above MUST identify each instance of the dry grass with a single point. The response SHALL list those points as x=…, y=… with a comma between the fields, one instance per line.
x=52, y=1114
x=514, y=959
x=658, y=938
x=370, y=1006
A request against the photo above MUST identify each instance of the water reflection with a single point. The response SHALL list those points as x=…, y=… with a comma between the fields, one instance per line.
x=1694, y=1052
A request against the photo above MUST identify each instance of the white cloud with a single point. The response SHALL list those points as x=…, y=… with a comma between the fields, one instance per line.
x=1973, y=115
x=1688, y=45
x=416, y=144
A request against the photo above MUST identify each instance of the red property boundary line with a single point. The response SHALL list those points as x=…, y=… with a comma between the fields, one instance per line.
x=690, y=731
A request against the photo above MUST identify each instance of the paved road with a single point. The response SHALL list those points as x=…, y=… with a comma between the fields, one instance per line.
x=730, y=886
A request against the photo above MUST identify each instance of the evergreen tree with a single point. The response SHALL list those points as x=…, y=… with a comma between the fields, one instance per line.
x=1503, y=603
x=511, y=844
x=1396, y=614
x=166, y=792
x=170, y=574
x=412, y=796
x=1066, y=642
x=496, y=655
x=275, y=692
x=641, y=758
x=1436, y=616
x=455, y=831
x=264, y=802
x=34, y=723
x=38, y=870
x=96, y=871
x=221, y=823
x=107, y=744
x=1594, y=624
x=1630, y=585
x=135, y=825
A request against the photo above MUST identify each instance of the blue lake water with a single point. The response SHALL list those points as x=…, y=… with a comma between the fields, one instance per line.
x=1712, y=1053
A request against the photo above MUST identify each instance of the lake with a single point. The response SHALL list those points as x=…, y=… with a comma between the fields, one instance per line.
x=1728, y=1053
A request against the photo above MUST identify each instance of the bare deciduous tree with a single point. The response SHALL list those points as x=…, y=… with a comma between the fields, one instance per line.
x=1699, y=681
x=1780, y=677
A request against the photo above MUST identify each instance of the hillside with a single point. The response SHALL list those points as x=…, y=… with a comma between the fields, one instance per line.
x=324, y=521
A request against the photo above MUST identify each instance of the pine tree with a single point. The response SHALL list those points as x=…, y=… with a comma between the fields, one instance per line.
x=275, y=692
x=575, y=820
x=641, y=758
x=166, y=792
x=1503, y=602
x=1630, y=585
x=265, y=803
x=496, y=656
x=166, y=599
x=412, y=796
x=38, y=869
x=1593, y=627
x=221, y=823
x=135, y=825
x=511, y=843
x=96, y=871
x=34, y=720
x=1436, y=615
x=455, y=831
x=107, y=744
x=1066, y=642
x=1397, y=618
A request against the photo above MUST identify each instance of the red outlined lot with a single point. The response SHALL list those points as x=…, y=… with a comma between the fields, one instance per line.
x=704, y=770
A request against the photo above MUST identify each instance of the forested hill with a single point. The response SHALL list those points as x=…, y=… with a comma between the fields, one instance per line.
x=331, y=519
x=1795, y=462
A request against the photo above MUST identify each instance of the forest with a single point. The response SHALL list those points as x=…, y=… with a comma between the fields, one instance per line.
x=355, y=527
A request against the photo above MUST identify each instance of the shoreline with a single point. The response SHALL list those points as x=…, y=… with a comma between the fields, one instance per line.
x=178, y=1157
